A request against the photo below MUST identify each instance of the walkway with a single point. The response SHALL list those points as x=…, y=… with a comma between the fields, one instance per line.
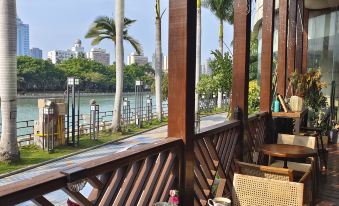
x=329, y=182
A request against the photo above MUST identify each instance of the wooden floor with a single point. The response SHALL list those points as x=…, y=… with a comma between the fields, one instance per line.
x=328, y=194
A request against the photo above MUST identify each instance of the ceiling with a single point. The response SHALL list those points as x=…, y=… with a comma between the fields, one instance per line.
x=321, y=4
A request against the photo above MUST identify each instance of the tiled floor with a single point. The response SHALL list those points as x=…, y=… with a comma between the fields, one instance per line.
x=328, y=194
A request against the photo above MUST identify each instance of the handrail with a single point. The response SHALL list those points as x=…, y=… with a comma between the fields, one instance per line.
x=217, y=128
x=255, y=116
x=31, y=188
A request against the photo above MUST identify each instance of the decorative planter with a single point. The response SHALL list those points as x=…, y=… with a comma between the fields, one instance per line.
x=296, y=104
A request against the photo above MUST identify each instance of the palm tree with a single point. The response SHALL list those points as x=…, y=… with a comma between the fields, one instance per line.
x=158, y=60
x=198, y=59
x=106, y=28
x=223, y=10
x=9, y=150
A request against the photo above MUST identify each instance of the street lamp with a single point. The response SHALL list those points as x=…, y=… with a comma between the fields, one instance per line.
x=126, y=111
x=94, y=119
x=139, y=102
x=72, y=85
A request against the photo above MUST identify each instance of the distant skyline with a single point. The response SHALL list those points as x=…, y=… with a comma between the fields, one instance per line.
x=57, y=24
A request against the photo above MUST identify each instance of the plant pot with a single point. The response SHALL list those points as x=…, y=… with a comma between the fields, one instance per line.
x=296, y=104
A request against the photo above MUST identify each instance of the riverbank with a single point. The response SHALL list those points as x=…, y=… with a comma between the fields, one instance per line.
x=61, y=94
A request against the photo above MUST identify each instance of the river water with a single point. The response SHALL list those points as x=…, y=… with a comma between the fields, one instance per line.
x=27, y=108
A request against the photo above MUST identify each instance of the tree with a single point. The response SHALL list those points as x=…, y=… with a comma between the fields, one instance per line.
x=223, y=10
x=116, y=31
x=9, y=150
x=198, y=57
x=158, y=60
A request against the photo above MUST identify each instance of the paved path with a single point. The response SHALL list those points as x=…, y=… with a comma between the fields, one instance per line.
x=119, y=146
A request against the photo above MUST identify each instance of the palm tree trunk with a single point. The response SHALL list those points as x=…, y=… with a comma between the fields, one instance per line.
x=119, y=54
x=198, y=58
x=9, y=150
x=221, y=49
x=158, y=62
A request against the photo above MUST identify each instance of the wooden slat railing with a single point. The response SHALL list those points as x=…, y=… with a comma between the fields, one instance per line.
x=141, y=175
x=256, y=135
x=215, y=150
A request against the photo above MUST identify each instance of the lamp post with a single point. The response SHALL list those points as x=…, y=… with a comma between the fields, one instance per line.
x=149, y=108
x=73, y=83
x=126, y=111
x=139, y=103
x=48, y=113
x=94, y=120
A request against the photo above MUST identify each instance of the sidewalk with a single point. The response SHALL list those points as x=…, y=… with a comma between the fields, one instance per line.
x=59, y=197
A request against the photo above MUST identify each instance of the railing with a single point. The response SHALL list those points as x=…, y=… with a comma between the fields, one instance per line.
x=142, y=175
x=25, y=131
x=215, y=150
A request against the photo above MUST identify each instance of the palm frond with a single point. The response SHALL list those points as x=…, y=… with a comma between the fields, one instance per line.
x=135, y=44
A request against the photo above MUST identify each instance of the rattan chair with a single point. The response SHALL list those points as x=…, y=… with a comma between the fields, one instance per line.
x=257, y=191
x=262, y=191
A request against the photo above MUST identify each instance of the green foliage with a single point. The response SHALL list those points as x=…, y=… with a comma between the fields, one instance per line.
x=207, y=85
x=223, y=9
x=253, y=58
x=253, y=97
x=221, y=67
x=42, y=75
x=104, y=28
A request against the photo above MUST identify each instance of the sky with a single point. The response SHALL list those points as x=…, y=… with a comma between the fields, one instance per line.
x=57, y=24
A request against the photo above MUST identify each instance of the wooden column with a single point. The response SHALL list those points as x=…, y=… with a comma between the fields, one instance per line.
x=181, y=83
x=299, y=36
x=266, y=55
x=291, y=45
x=282, y=47
x=305, y=41
x=241, y=56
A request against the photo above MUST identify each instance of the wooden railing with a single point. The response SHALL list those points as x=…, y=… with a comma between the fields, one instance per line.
x=215, y=150
x=256, y=135
x=142, y=176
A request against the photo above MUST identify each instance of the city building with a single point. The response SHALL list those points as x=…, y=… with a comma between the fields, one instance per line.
x=36, y=53
x=57, y=56
x=77, y=49
x=99, y=55
x=137, y=59
x=205, y=69
x=22, y=38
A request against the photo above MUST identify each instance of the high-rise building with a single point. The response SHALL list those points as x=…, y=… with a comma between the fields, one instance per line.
x=22, y=38
x=137, y=59
x=99, y=55
x=36, y=53
x=57, y=56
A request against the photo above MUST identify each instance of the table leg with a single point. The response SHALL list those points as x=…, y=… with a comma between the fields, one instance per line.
x=285, y=163
x=297, y=125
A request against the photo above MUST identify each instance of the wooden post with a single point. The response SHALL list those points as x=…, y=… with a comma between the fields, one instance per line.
x=241, y=56
x=266, y=56
x=305, y=41
x=292, y=17
x=181, y=87
x=299, y=36
x=282, y=48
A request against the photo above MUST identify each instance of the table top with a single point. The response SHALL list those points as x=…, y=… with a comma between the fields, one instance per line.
x=290, y=114
x=287, y=151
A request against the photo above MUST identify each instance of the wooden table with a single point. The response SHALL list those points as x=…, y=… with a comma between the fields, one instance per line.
x=299, y=117
x=287, y=151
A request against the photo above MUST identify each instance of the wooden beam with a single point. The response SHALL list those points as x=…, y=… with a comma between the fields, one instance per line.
x=241, y=56
x=267, y=55
x=291, y=45
x=305, y=41
x=282, y=47
x=299, y=36
x=181, y=87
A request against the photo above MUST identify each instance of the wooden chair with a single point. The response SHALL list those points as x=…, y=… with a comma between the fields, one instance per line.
x=259, y=191
x=285, y=179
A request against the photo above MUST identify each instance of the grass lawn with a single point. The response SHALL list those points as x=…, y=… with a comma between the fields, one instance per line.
x=32, y=154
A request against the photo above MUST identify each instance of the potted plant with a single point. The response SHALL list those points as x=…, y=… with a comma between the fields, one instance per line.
x=298, y=87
